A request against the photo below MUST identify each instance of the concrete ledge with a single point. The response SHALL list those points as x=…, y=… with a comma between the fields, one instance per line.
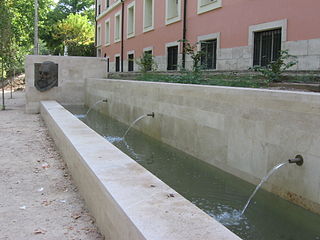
x=118, y=190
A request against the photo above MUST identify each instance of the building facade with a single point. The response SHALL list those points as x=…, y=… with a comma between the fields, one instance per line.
x=232, y=34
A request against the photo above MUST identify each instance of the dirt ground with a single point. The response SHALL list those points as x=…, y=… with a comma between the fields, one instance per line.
x=38, y=199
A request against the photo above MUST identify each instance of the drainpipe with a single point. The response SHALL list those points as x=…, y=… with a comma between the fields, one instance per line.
x=122, y=31
x=96, y=27
x=184, y=33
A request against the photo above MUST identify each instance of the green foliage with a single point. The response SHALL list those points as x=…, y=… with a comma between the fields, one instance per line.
x=273, y=70
x=74, y=30
x=146, y=63
x=82, y=50
x=195, y=76
x=77, y=34
x=217, y=80
x=192, y=51
x=58, y=14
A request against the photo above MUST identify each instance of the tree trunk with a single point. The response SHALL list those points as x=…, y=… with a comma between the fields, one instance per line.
x=2, y=77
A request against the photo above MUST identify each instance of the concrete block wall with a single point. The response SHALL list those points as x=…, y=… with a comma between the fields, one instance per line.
x=72, y=72
x=242, y=131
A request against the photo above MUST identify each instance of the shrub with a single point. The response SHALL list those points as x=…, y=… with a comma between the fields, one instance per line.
x=275, y=68
x=146, y=63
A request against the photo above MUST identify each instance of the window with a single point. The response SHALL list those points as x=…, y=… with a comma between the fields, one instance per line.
x=209, y=56
x=148, y=55
x=208, y=5
x=130, y=62
x=107, y=32
x=99, y=8
x=117, y=27
x=107, y=4
x=148, y=15
x=117, y=63
x=131, y=20
x=267, y=46
x=172, y=58
x=173, y=11
x=99, y=53
x=99, y=35
x=108, y=64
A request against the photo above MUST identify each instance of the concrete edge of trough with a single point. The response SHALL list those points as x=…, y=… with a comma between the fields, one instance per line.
x=127, y=201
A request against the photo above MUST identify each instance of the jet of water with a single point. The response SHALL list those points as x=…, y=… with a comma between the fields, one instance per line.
x=263, y=181
x=135, y=121
x=89, y=110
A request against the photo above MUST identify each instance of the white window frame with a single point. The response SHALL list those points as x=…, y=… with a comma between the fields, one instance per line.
x=283, y=24
x=148, y=49
x=99, y=35
x=202, y=8
x=99, y=3
x=118, y=14
x=212, y=36
x=149, y=28
x=107, y=4
x=115, y=56
x=108, y=10
x=173, y=44
x=130, y=52
x=173, y=19
x=131, y=5
x=107, y=39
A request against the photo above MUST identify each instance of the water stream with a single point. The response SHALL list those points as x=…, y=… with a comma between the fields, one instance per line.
x=272, y=171
x=219, y=194
x=80, y=116
x=132, y=124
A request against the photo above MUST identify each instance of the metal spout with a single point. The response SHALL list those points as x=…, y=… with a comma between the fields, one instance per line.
x=297, y=160
x=151, y=114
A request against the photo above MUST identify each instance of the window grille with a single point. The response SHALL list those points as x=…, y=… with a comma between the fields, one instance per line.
x=267, y=47
x=209, y=54
x=130, y=62
x=118, y=64
x=172, y=58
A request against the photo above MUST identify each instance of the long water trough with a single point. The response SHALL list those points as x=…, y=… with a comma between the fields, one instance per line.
x=219, y=194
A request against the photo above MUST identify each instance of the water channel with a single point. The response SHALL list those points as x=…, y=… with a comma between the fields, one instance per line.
x=218, y=193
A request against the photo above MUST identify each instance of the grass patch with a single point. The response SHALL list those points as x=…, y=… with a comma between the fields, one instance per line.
x=216, y=80
x=228, y=80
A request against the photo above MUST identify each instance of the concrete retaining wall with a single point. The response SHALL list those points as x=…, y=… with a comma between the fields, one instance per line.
x=72, y=72
x=242, y=131
x=128, y=202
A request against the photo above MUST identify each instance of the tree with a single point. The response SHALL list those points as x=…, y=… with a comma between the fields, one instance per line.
x=75, y=31
x=6, y=40
x=59, y=13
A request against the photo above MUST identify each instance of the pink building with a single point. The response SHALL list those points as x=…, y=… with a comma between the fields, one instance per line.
x=233, y=34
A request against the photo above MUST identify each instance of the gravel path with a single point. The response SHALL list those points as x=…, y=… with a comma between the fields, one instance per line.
x=38, y=200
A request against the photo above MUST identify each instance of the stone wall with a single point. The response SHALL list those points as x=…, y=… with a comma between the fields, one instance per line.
x=72, y=72
x=242, y=131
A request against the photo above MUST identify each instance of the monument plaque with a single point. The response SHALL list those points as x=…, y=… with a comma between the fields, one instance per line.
x=45, y=75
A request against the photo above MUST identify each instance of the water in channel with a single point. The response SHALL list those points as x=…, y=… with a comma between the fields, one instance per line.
x=218, y=193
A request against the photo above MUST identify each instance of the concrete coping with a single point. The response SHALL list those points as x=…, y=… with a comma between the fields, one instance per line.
x=127, y=201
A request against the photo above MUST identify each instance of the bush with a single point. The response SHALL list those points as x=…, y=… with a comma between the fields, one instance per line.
x=274, y=69
x=146, y=63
